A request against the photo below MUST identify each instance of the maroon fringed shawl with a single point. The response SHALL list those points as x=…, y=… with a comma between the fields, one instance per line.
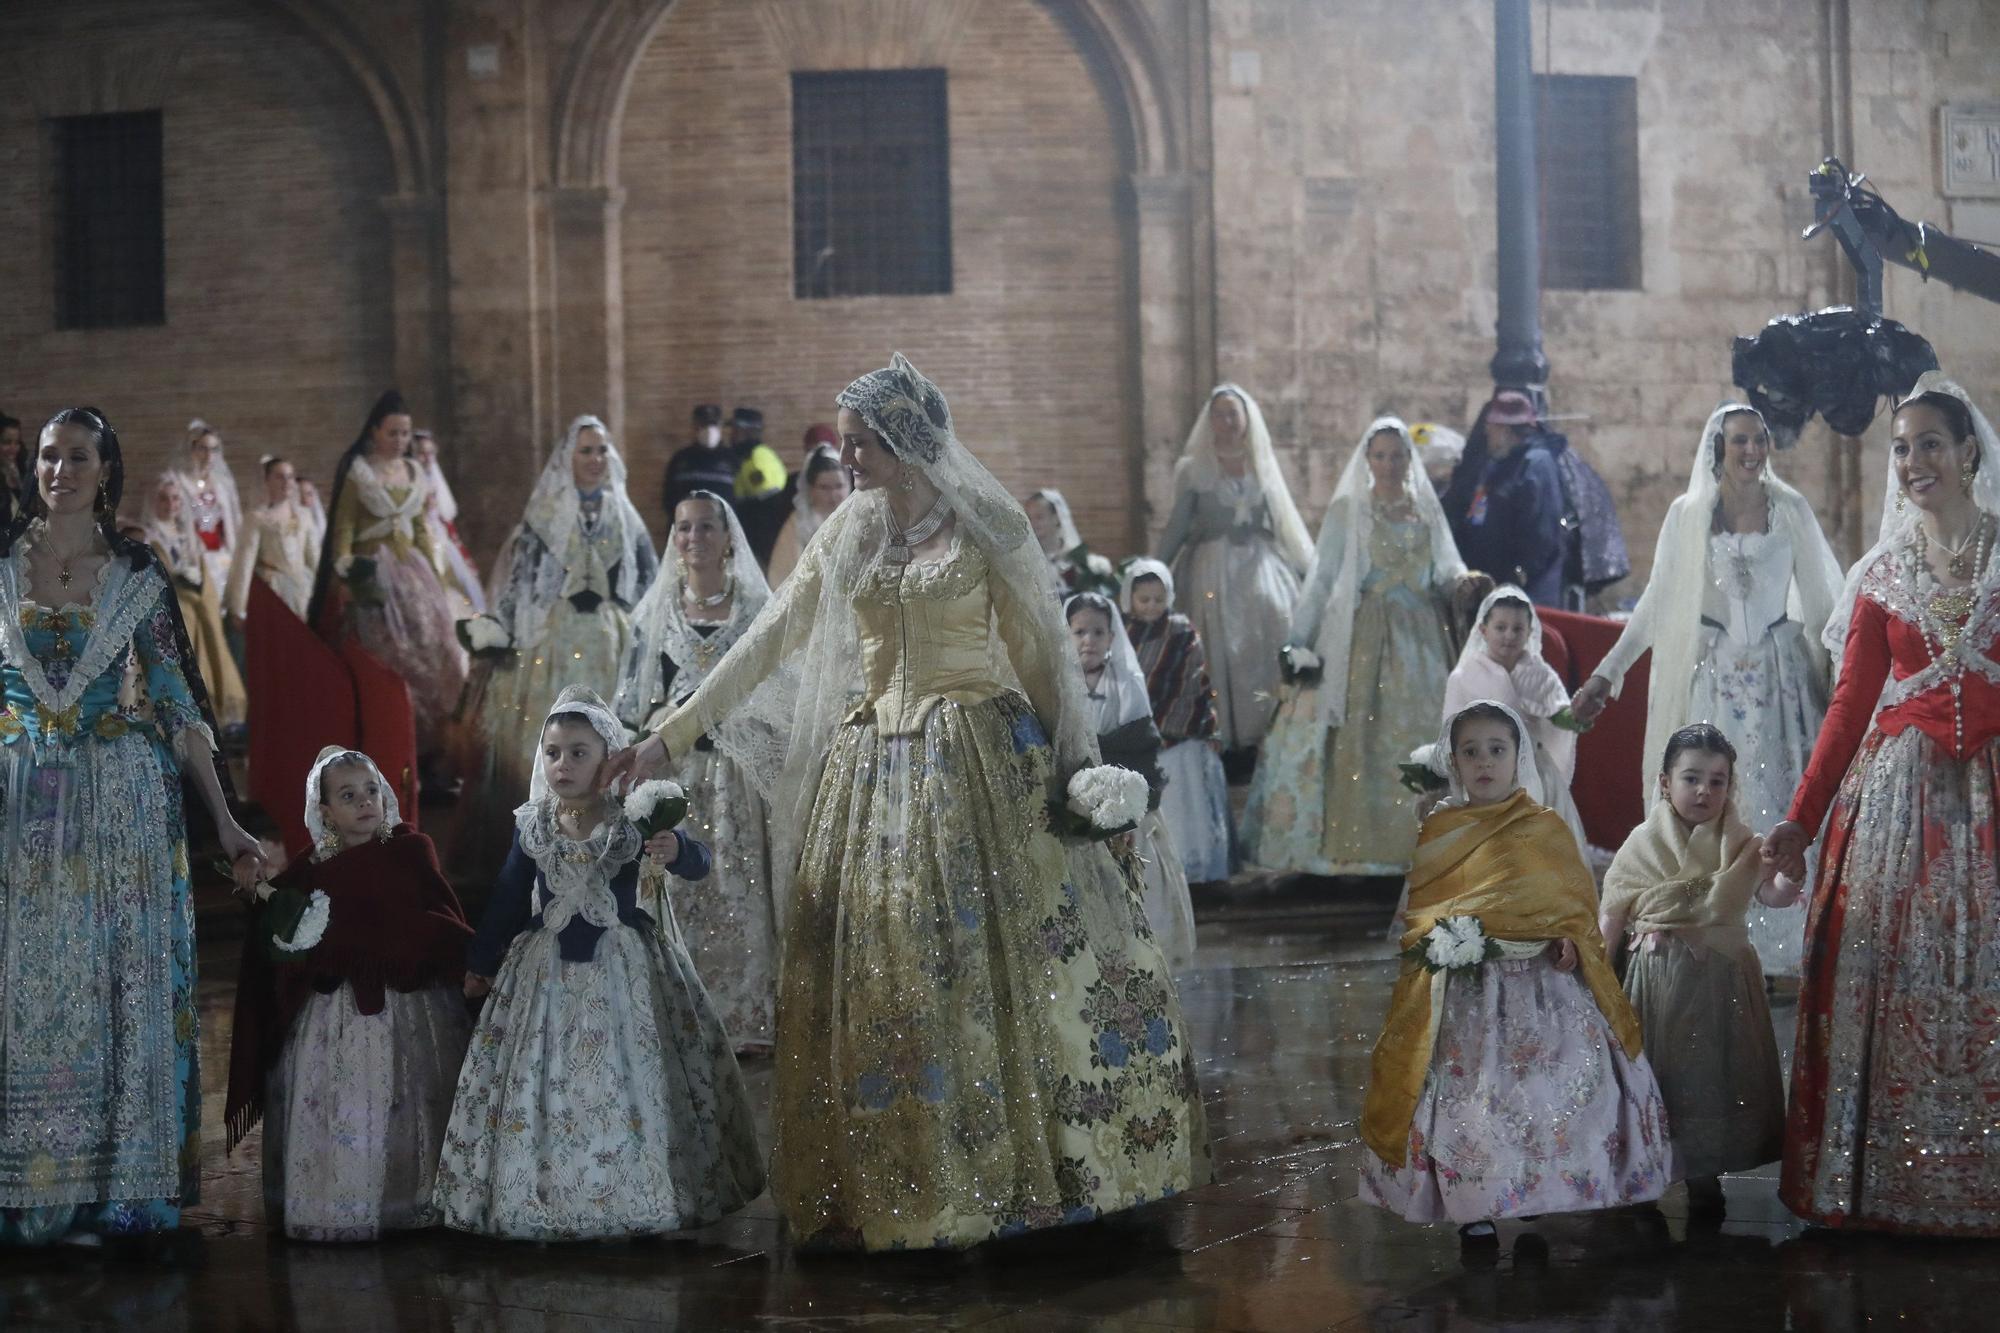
x=1176, y=666
x=394, y=924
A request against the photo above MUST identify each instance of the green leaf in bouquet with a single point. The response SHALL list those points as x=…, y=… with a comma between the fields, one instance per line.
x=1422, y=779
x=667, y=814
x=1569, y=721
x=280, y=919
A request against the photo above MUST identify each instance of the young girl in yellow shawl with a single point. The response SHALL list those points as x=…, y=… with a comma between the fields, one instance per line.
x=1508, y=1080
x=1678, y=895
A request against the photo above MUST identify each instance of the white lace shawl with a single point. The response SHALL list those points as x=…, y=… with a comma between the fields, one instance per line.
x=1668, y=615
x=1324, y=619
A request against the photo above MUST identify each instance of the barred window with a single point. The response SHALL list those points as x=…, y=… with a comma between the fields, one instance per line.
x=111, y=252
x=871, y=184
x=1589, y=151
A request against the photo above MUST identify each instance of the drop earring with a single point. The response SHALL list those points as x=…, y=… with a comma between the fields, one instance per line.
x=1902, y=497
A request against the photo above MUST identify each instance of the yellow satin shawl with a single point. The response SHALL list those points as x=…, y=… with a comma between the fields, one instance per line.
x=1515, y=866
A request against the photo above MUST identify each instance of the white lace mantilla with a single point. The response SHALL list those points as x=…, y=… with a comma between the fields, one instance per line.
x=576, y=873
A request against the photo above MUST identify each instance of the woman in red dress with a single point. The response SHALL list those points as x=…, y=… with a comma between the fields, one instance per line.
x=1896, y=1074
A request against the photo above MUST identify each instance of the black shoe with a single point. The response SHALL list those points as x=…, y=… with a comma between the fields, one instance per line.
x=1530, y=1251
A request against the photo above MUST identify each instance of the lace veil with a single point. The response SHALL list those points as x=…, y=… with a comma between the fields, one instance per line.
x=1898, y=527
x=1138, y=569
x=1340, y=566
x=554, y=515
x=1681, y=576
x=1525, y=773
x=219, y=476
x=316, y=824
x=751, y=735
x=573, y=699
x=175, y=538
x=1121, y=696
x=1068, y=536
x=1199, y=470
x=1475, y=642
x=813, y=620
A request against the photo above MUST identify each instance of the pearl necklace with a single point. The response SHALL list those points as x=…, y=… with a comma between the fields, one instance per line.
x=709, y=603
x=903, y=542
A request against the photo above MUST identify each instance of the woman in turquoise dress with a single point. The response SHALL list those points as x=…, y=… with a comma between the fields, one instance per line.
x=1372, y=644
x=100, y=1090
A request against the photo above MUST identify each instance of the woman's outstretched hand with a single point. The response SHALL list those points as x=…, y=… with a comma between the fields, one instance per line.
x=1591, y=699
x=246, y=855
x=634, y=763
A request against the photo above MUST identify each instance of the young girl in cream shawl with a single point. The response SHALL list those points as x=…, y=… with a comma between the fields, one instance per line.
x=1503, y=661
x=1508, y=1080
x=1679, y=894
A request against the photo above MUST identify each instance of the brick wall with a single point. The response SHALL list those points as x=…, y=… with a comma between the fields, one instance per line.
x=1355, y=230
x=1030, y=344
x=277, y=321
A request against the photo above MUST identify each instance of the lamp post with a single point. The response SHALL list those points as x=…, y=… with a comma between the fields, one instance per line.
x=1518, y=362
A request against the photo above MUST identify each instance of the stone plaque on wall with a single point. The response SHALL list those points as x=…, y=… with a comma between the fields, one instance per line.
x=1971, y=145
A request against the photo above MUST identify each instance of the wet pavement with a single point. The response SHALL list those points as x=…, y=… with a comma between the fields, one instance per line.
x=1283, y=1005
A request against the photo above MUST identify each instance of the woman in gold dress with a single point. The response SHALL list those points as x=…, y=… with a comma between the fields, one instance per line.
x=1374, y=624
x=977, y=1035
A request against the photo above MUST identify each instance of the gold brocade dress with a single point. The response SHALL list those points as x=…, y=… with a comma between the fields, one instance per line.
x=977, y=1035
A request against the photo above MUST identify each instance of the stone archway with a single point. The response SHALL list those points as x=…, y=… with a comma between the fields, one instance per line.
x=1145, y=79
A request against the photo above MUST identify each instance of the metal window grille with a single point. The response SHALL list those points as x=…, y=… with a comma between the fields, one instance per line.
x=871, y=184
x=111, y=254
x=1589, y=150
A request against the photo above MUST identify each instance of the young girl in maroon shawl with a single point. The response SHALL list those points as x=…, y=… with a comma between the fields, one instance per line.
x=349, y=1043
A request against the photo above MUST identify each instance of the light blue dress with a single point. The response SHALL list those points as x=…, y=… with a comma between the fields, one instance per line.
x=100, y=1092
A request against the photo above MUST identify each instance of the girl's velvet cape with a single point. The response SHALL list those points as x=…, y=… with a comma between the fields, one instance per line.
x=394, y=924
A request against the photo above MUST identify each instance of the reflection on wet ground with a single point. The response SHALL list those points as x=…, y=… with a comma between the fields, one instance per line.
x=1283, y=1003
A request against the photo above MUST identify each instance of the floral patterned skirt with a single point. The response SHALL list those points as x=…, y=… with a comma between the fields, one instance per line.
x=727, y=921
x=599, y=1099
x=977, y=1034
x=1896, y=1074
x=1240, y=597
x=1531, y=1106
x=100, y=1086
x=1195, y=807
x=1769, y=698
x=1327, y=801
x=414, y=634
x=356, y=1114
x=1169, y=908
x=1707, y=1032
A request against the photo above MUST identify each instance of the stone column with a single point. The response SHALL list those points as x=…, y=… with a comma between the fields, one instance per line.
x=589, y=347
x=1168, y=380
x=505, y=416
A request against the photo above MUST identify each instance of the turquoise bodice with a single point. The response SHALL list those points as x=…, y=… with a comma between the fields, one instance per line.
x=106, y=709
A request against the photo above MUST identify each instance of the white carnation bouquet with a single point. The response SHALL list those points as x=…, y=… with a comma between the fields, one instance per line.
x=1454, y=944
x=656, y=806
x=1104, y=802
x=483, y=636
x=296, y=921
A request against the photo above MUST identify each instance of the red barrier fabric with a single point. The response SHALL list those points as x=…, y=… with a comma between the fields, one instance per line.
x=301, y=699
x=388, y=724
x=1611, y=771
